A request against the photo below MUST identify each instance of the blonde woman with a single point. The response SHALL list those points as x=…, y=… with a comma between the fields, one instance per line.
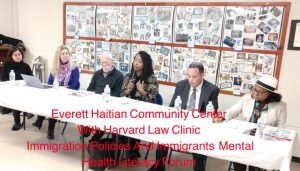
x=67, y=74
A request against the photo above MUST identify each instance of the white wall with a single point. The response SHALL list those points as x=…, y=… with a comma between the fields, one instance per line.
x=41, y=28
x=9, y=18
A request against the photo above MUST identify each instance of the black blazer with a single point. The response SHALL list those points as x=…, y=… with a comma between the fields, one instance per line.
x=209, y=92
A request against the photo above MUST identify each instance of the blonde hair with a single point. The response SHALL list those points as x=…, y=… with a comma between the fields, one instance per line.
x=56, y=64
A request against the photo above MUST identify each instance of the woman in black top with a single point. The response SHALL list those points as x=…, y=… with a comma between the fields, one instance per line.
x=140, y=84
x=15, y=63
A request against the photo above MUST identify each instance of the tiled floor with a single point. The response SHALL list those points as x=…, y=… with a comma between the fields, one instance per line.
x=14, y=154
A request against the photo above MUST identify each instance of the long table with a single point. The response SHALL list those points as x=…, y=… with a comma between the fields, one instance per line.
x=265, y=153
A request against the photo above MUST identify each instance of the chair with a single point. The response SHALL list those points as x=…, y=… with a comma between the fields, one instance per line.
x=159, y=101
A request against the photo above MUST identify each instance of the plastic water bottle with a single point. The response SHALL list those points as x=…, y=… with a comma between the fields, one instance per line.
x=210, y=110
x=55, y=84
x=281, y=129
x=106, y=93
x=261, y=125
x=12, y=76
x=178, y=102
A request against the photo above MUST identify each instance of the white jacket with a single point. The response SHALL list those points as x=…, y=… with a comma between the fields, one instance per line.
x=276, y=111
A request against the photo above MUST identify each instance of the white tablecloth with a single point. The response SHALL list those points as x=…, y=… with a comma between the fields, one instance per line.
x=265, y=154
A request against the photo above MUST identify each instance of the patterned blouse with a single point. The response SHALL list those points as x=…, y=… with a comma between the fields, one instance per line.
x=150, y=86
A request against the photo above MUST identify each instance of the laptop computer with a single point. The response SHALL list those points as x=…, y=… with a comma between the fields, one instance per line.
x=33, y=81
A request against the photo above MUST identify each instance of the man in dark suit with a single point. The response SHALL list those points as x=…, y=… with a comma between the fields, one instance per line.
x=195, y=92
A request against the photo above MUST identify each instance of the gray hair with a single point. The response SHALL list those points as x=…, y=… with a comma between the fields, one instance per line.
x=107, y=54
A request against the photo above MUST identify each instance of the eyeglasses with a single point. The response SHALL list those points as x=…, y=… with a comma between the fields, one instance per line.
x=258, y=92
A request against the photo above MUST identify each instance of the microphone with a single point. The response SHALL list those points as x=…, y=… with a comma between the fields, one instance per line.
x=133, y=77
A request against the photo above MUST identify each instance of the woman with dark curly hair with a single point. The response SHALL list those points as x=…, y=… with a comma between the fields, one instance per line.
x=140, y=84
x=15, y=63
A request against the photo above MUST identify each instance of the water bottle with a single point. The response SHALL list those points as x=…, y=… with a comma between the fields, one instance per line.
x=55, y=84
x=106, y=93
x=210, y=110
x=178, y=102
x=261, y=125
x=281, y=129
x=12, y=76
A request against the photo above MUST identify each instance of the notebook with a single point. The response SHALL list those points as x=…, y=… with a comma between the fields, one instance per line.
x=33, y=81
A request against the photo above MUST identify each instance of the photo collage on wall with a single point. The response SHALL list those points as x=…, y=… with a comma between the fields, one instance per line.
x=240, y=70
x=120, y=54
x=83, y=53
x=198, y=25
x=114, y=22
x=153, y=23
x=253, y=27
x=240, y=27
x=183, y=57
x=160, y=56
x=80, y=21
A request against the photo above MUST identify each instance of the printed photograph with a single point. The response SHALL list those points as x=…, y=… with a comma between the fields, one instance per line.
x=229, y=41
x=163, y=76
x=258, y=67
x=240, y=20
x=273, y=36
x=215, y=39
x=268, y=70
x=259, y=38
x=240, y=57
x=164, y=14
x=249, y=28
x=123, y=67
x=236, y=33
x=251, y=16
x=264, y=28
x=252, y=57
x=229, y=24
x=225, y=67
x=275, y=11
x=164, y=50
x=141, y=10
x=228, y=56
x=263, y=10
x=270, y=46
x=225, y=85
x=237, y=81
x=273, y=23
x=247, y=88
x=234, y=68
x=248, y=42
x=211, y=55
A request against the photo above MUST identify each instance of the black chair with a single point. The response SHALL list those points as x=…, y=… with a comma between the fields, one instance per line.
x=159, y=101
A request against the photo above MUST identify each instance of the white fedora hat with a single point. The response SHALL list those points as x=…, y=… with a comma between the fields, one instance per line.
x=268, y=82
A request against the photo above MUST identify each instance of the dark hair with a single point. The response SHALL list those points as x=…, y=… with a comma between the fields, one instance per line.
x=12, y=50
x=197, y=65
x=273, y=97
x=147, y=65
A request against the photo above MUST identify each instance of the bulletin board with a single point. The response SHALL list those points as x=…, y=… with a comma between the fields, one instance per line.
x=236, y=42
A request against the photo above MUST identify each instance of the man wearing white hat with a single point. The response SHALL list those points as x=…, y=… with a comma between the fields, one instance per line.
x=263, y=100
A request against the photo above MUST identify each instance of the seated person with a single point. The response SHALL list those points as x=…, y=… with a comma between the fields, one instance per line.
x=263, y=100
x=195, y=93
x=108, y=74
x=67, y=74
x=140, y=84
x=15, y=63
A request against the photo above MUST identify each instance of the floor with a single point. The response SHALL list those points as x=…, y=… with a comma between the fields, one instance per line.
x=15, y=155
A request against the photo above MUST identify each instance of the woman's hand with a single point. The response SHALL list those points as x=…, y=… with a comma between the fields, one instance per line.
x=140, y=87
x=129, y=88
x=218, y=120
